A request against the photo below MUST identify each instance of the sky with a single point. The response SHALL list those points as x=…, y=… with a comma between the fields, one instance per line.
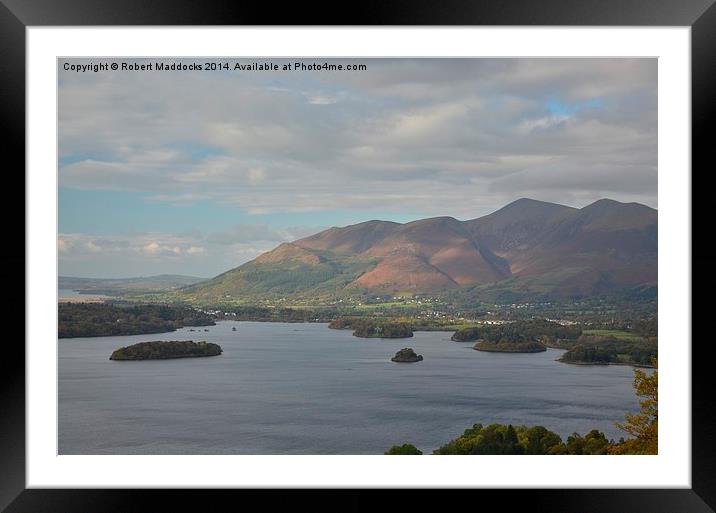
x=197, y=172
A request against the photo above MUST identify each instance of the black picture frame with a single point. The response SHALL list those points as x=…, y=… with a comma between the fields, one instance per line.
x=16, y=15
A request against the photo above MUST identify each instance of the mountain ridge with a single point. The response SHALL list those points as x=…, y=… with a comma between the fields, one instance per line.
x=528, y=245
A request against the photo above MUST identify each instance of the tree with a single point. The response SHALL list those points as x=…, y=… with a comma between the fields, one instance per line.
x=539, y=440
x=643, y=426
x=595, y=443
x=404, y=449
x=511, y=444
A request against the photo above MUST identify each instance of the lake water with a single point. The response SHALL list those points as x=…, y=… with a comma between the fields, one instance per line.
x=281, y=388
x=69, y=293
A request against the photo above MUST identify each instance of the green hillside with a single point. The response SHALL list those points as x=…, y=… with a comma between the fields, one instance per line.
x=270, y=280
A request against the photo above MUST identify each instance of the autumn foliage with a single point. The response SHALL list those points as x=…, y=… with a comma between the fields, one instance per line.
x=642, y=426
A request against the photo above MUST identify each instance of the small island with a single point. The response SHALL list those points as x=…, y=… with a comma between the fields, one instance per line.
x=161, y=350
x=510, y=346
x=407, y=355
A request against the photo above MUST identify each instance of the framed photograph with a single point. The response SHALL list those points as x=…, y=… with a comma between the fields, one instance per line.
x=268, y=255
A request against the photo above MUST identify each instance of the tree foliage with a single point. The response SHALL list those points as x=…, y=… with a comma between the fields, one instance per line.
x=644, y=425
x=505, y=439
x=519, y=331
x=383, y=330
x=404, y=449
x=373, y=328
x=102, y=319
x=407, y=354
x=591, y=349
x=164, y=350
x=507, y=346
x=646, y=327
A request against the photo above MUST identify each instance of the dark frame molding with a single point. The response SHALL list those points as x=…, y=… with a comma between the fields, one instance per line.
x=16, y=15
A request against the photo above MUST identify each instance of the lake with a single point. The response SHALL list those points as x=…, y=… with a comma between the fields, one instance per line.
x=70, y=294
x=282, y=388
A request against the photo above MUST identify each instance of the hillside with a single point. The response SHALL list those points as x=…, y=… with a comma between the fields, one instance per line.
x=526, y=249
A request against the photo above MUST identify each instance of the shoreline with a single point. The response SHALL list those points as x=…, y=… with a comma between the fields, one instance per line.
x=163, y=358
x=604, y=364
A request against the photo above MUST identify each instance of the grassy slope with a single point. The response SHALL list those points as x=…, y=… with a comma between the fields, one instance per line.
x=258, y=280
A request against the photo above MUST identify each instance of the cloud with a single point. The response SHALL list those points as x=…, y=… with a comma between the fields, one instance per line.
x=138, y=254
x=528, y=125
x=154, y=248
x=147, y=244
x=459, y=137
x=421, y=125
x=160, y=253
x=322, y=100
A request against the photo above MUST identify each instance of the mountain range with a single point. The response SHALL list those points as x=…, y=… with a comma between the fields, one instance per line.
x=528, y=248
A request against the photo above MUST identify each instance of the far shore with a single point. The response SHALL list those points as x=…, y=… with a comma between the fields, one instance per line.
x=83, y=299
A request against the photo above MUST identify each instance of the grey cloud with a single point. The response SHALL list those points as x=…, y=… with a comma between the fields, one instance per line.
x=447, y=136
x=584, y=175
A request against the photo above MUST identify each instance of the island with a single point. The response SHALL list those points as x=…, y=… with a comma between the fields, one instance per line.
x=611, y=350
x=510, y=346
x=407, y=355
x=525, y=336
x=160, y=350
